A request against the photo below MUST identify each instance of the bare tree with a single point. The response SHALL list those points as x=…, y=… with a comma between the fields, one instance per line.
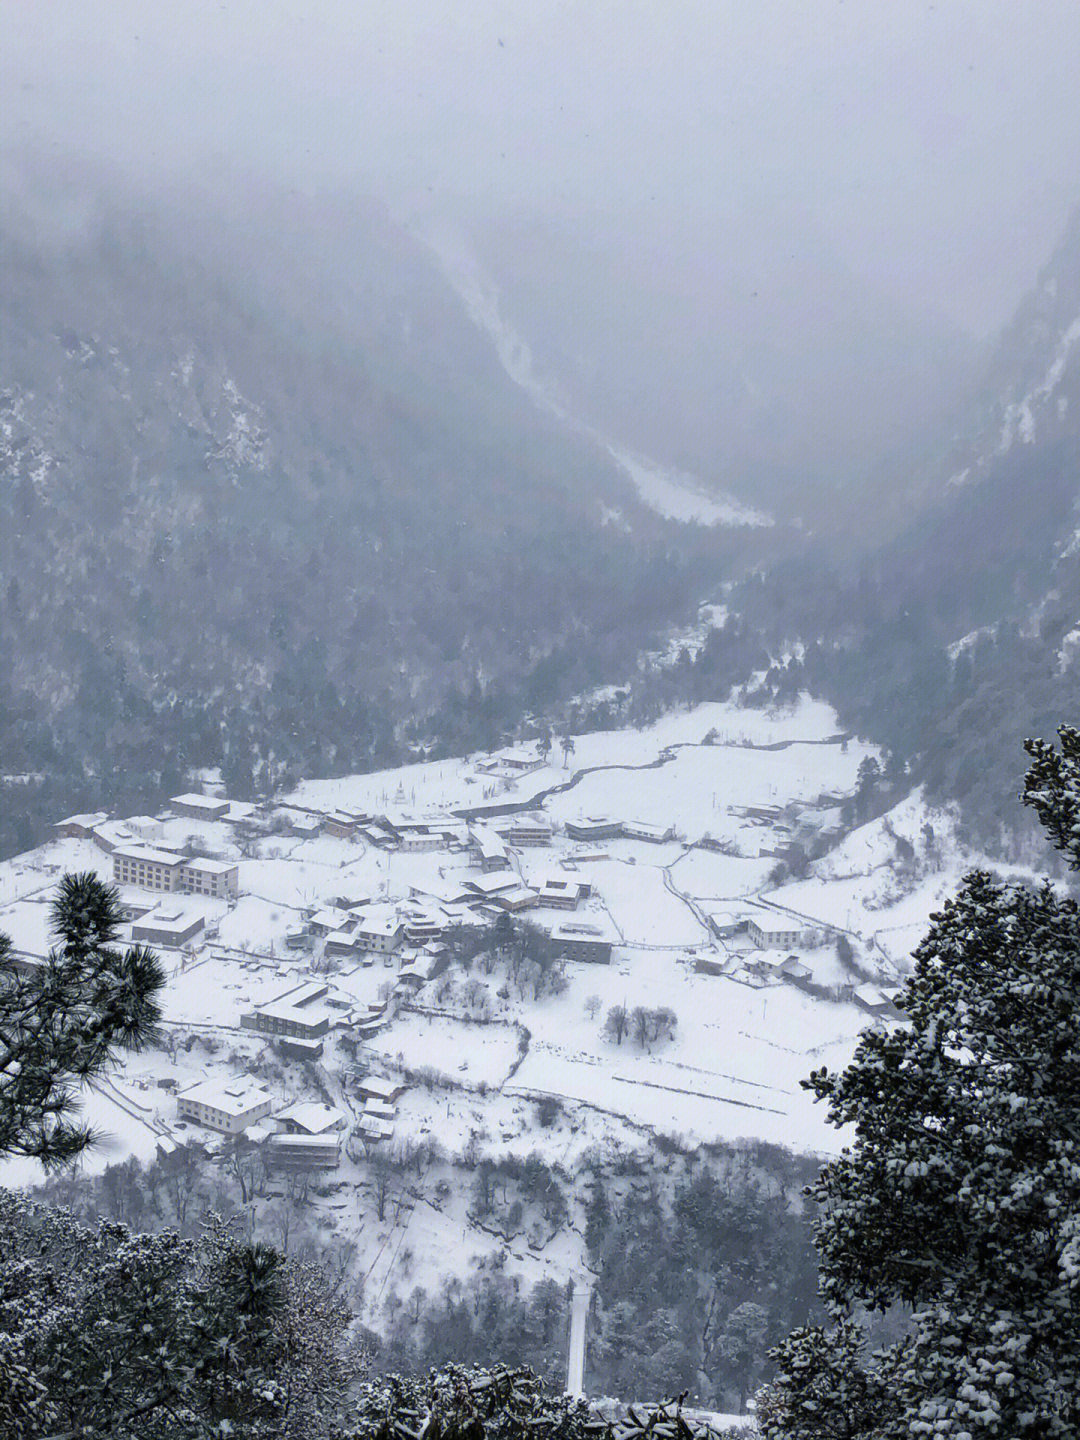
x=665, y=1022
x=592, y=1007
x=615, y=1026
x=641, y=1024
x=181, y=1174
x=381, y=1171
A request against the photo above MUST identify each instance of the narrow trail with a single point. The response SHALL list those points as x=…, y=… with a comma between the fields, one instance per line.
x=664, y=757
x=688, y=900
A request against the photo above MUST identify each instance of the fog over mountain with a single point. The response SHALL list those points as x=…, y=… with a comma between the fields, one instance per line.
x=764, y=245
x=533, y=535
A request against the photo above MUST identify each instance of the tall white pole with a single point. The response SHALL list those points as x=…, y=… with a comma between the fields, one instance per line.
x=579, y=1314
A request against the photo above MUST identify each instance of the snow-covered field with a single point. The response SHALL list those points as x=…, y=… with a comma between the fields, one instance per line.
x=742, y=1041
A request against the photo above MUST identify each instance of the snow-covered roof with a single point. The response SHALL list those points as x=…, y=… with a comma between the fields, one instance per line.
x=377, y=1087
x=506, y=824
x=382, y=920
x=872, y=997
x=301, y=994
x=282, y=1140
x=193, y=801
x=594, y=931
x=515, y=895
x=227, y=1095
x=492, y=884
x=84, y=822
x=171, y=918
x=776, y=925
x=561, y=884
x=150, y=856
x=313, y=1116
x=375, y=1128
x=211, y=867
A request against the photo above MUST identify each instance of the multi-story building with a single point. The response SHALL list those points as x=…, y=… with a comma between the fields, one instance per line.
x=518, y=897
x=776, y=934
x=152, y=869
x=582, y=940
x=215, y=878
x=228, y=1105
x=379, y=928
x=524, y=830
x=148, y=868
x=563, y=894
x=490, y=851
x=594, y=827
x=310, y=1136
x=289, y=1016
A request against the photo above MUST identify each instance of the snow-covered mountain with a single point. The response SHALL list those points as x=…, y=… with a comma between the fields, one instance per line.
x=254, y=453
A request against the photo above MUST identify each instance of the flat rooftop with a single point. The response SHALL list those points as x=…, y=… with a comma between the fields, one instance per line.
x=211, y=867
x=228, y=1095
x=149, y=855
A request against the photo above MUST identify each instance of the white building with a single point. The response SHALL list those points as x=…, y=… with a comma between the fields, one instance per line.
x=227, y=1105
x=379, y=928
x=775, y=934
x=215, y=878
x=490, y=851
x=310, y=1136
x=152, y=869
x=594, y=827
x=149, y=869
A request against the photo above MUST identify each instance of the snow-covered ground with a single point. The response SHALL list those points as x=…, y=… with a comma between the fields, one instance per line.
x=680, y=497
x=742, y=1041
x=669, y=492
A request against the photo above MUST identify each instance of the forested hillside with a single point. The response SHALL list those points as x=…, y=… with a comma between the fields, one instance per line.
x=963, y=632
x=271, y=502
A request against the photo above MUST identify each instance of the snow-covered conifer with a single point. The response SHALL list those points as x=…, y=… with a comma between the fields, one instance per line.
x=960, y=1196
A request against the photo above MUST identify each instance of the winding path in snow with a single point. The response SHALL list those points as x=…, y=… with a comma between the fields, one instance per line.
x=665, y=757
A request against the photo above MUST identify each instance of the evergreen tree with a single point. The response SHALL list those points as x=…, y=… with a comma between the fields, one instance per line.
x=960, y=1196
x=63, y=1022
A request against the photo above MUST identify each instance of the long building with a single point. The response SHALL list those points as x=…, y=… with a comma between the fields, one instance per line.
x=199, y=807
x=288, y=1015
x=226, y=1105
x=152, y=869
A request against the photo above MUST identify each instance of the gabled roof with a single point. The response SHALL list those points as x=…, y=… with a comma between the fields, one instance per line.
x=313, y=1116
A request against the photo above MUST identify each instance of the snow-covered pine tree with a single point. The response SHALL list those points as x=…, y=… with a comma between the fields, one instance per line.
x=960, y=1196
x=66, y=1020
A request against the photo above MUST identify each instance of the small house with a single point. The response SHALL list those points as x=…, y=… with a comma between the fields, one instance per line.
x=583, y=940
x=199, y=807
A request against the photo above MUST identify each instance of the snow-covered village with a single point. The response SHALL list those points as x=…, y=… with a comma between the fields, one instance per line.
x=558, y=948
x=539, y=761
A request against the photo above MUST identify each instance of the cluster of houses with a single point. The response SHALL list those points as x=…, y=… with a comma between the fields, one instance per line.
x=306, y=1134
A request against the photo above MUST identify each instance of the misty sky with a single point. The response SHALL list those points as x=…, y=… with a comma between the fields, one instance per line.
x=935, y=147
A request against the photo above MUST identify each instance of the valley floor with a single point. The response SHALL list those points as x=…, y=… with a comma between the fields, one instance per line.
x=765, y=980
